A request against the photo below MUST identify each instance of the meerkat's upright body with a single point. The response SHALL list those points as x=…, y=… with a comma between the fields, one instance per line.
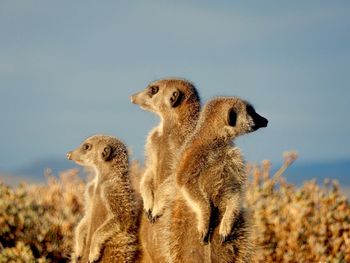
x=108, y=230
x=211, y=176
x=177, y=103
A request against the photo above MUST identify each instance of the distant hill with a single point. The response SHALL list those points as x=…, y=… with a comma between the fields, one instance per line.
x=297, y=173
x=14, y=180
x=35, y=172
x=38, y=168
x=339, y=170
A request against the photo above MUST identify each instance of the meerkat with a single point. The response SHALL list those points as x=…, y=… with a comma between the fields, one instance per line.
x=211, y=170
x=177, y=103
x=108, y=230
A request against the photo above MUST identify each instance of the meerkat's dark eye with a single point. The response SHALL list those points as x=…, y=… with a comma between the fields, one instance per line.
x=87, y=146
x=154, y=89
x=232, y=118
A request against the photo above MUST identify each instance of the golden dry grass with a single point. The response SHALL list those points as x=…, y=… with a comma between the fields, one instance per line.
x=306, y=224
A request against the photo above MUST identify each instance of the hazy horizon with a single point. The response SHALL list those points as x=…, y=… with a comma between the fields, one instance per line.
x=67, y=70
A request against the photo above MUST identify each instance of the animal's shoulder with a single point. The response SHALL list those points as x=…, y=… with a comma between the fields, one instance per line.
x=154, y=136
x=234, y=157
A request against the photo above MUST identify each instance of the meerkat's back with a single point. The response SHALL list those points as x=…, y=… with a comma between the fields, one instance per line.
x=211, y=177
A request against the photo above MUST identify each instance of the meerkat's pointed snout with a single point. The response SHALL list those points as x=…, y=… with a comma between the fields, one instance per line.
x=134, y=98
x=259, y=122
x=69, y=155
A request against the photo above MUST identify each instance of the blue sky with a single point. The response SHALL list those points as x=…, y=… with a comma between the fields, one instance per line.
x=67, y=69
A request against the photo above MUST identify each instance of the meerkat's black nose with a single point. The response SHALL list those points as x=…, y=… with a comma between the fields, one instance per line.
x=132, y=98
x=265, y=122
x=69, y=155
x=259, y=122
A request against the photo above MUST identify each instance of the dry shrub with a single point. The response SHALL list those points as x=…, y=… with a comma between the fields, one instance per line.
x=306, y=224
x=37, y=221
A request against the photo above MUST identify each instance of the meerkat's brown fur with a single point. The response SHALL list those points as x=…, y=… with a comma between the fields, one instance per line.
x=108, y=232
x=211, y=176
x=185, y=246
x=177, y=103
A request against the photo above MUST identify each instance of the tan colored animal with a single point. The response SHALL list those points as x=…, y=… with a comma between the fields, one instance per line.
x=185, y=247
x=108, y=230
x=211, y=178
x=177, y=103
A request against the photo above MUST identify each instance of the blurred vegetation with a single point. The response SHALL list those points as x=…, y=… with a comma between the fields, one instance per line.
x=306, y=224
x=37, y=221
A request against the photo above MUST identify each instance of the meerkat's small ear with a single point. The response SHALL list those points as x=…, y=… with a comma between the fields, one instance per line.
x=175, y=98
x=107, y=153
x=232, y=117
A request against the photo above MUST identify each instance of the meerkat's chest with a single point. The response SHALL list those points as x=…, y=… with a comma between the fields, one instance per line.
x=213, y=176
x=162, y=158
x=98, y=209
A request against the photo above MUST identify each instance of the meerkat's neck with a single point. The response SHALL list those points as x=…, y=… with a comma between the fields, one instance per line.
x=114, y=169
x=207, y=137
x=183, y=122
x=189, y=117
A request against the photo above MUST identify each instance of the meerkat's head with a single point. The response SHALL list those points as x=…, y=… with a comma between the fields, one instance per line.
x=231, y=117
x=167, y=96
x=98, y=151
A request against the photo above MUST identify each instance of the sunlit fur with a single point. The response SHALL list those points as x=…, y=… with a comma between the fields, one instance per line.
x=157, y=187
x=108, y=230
x=211, y=176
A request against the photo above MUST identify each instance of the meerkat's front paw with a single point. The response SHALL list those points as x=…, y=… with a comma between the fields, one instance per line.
x=204, y=235
x=224, y=231
x=148, y=214
x=78, y=254
x=94, y=256
x=223, y=239
x=204, y=232
x=157, y=212
x=147, y=207
x=154, y=218
x=76, y=258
